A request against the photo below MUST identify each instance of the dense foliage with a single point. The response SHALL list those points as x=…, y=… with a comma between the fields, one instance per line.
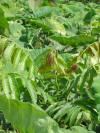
x=49, y=66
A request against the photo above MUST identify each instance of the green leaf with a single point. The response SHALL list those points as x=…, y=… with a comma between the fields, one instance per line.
x=73, y=117
x=96, y=88
x=56, y=26
x=29, y=118
x=10, y=8
x=4, y=26
x=89, y=16
x=74, y=40
x=34, y=3
x=46, y=11
x=16, y=32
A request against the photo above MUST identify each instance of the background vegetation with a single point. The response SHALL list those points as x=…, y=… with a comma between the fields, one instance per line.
x=49, y=66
